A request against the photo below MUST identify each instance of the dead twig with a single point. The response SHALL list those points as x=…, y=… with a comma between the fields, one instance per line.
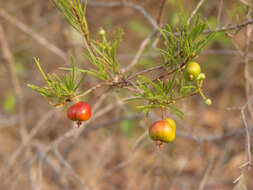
x=194, y=12
x=15, y=81
x=41, y=40
x=160, y=12
x=207, y=172
x=126, y=4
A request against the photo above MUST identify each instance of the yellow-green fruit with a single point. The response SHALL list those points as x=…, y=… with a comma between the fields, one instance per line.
x=101, y=32
x=163, y=131
x=192, y=71
x=208, y=102
x=201, y=76
x=171, y=122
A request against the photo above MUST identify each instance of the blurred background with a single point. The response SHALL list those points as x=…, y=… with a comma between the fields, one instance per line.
x=41, y=149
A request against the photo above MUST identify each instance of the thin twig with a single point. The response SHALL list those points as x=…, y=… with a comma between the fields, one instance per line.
x=139, y=52
x=248, y=150
x=219, y=12
x=94, y=88
x=41, y=40
x=160, y=12
x=15, y=81
x=145, y=71
x=194, y=12
x=248, y=78
x=149, y=18
x=27, y=140
x=207, y=172
x=231, y=27
x=69, y=167
x=126, y=4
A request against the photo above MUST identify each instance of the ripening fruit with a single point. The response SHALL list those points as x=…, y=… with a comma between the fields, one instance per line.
x=208, y=101
x=163, y=131
x=201, y=76
x=102, y=32
x=79, y=112
x=192, y=71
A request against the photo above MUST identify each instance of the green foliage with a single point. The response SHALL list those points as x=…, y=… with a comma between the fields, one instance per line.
x=164, y=94
x=178, y=49
x=74, y=12
x=101, y=54
x=184, y=45
x=104, y=59
x=173, y=18
x=159, y=94
x=58, y=90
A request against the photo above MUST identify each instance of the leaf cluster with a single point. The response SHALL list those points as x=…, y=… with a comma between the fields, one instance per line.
x=102, y=54
x=58, y=90
x=158, y=94
x=74, y=12
x=179, y=48
x=104, y=58
x=185, y=44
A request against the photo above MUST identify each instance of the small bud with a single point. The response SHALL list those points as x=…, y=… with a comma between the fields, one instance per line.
x=201, y=76
x=208, y=101
x=102, y=32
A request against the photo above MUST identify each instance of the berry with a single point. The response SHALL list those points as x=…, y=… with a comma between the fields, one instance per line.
x=163, y=131
x=201, y=76
x=79, y=112
x=192, y=71
x=208, y=101
x=102, y=32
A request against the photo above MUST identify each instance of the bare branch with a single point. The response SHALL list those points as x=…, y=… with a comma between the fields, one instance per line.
x=231, y=27
x=160, y=12
x=126, y=4
x=48, y=45
x=15, y=81
x=207, y=172
x=194, y=12
x=139, y=52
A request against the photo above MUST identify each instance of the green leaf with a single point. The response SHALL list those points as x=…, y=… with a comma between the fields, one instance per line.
x=58, y=89
x=176, y=111
x=134, y=99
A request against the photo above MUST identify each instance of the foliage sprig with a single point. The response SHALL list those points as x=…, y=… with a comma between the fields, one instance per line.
x=58, y=90
x=177, y=49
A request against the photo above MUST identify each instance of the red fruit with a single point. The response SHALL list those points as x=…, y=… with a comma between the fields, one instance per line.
x=79, y=112
x=163, y=131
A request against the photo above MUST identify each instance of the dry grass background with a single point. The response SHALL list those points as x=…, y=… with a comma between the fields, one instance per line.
x=209, y=147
